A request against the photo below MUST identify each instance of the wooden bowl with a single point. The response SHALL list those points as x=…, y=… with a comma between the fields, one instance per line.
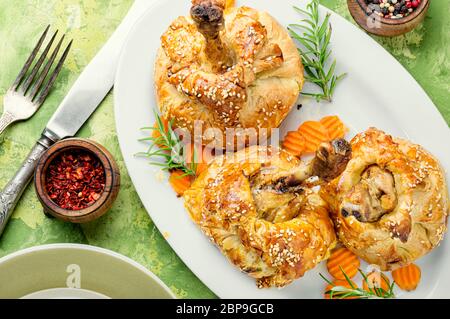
x=377, y=25
x=99, y=207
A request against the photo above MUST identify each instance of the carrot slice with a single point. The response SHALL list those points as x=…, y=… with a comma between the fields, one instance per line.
x=201, y=167
x=341, y=283
x=179, y=181
x=408, y=277
x=376, y=279
x=334, y=126
x=345, y=259
x=206, y=158
x=314, y=134
x=295, y=143
x=230, y=3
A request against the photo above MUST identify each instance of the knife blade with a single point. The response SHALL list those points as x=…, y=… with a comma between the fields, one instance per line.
x=83, y=98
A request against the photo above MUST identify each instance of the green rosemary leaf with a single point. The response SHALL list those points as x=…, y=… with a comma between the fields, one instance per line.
x=380, y=292
x=326, y=280
x=310, y=40
x=304, y=42
x=332, y=84
x=340, y=77
x=330, y=73
x=318, y=97
x=324, y=27
x=326, y=43
x=315, y=95
x=310, y=64
x=325, y=56
x=143, y=154
x=347, y=278
x=314, y=80
x=341, y=292
x=301, y=26
x=169, y=149
x=146, y=139
x=302, y=11
x=336, y=80
x=311, y=23
x=315, y=49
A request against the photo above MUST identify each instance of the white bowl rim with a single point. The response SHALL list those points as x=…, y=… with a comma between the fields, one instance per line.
x=48, y=247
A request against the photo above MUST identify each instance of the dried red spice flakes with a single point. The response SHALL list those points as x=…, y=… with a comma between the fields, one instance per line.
x=75, y=179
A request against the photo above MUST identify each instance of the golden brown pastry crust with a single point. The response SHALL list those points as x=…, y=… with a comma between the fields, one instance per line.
x=390, y=205
x=249, y=77
x=275, y=237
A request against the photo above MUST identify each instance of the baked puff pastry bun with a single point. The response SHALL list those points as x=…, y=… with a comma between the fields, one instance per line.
x=234, y=68
x=258, y=208
x=390, y=205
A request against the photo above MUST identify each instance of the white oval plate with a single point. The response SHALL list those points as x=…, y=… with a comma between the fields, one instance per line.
x=76, y=271
x=362, y=100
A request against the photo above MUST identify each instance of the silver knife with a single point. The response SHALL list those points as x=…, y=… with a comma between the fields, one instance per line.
x=86, y=94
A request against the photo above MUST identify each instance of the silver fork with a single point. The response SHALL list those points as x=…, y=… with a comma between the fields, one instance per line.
x=28, y=93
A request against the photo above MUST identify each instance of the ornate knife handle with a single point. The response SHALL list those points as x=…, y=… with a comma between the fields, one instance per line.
x=15, y=187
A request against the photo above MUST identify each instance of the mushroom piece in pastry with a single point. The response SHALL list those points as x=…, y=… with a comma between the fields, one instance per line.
x=390, y=205
x=257, y=207
x=236, y=68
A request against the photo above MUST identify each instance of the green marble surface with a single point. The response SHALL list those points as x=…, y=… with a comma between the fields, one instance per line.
x=127, y=228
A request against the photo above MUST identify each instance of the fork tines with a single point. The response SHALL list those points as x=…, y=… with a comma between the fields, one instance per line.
x=31, y=85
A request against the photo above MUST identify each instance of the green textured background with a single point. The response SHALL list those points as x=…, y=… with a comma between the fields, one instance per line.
x=127, y=229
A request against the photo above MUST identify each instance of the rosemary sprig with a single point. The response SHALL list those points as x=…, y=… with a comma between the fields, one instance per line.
x=316, y=52
x=339, y=292
x=168, y=146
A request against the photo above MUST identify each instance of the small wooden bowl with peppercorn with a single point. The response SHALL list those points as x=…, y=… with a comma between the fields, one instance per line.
x=77, y=180
x=388, y=18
